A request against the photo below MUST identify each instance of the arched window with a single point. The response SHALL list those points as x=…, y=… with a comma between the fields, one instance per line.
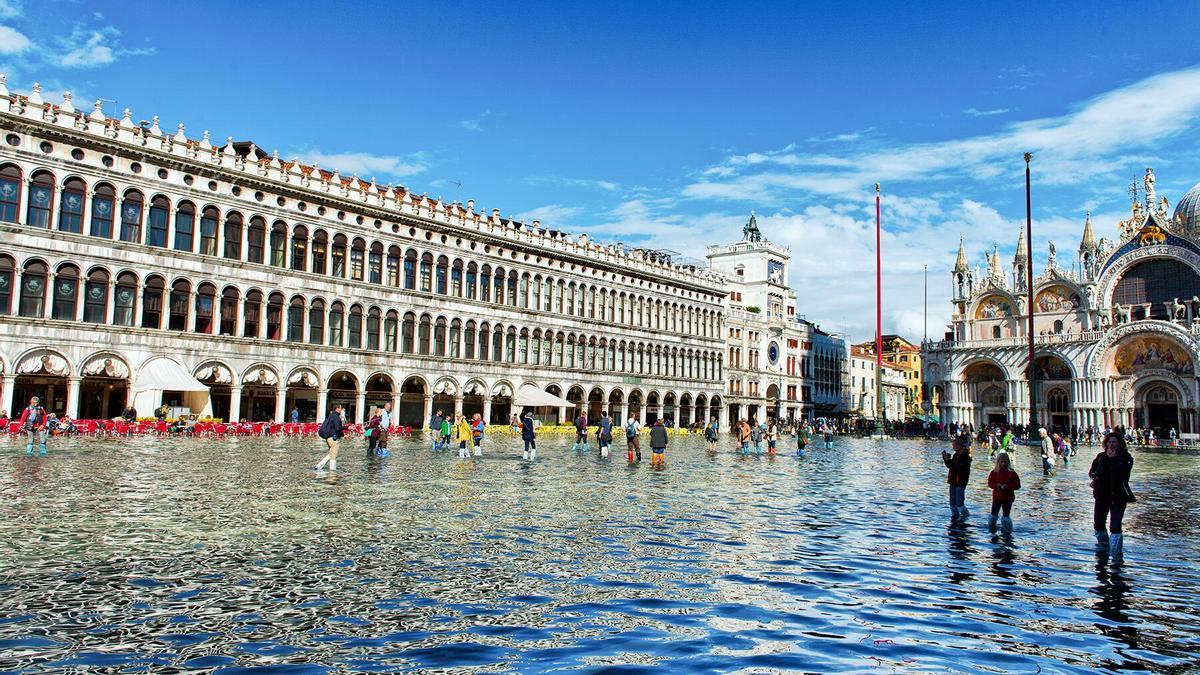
x=185, y=223
x=484, y=340
x=156, y=223
x=152, y=302
x=10, y=193
x=373, y=329
x=439, y=337
x=455, y=339
x=456, y=279
x=410, y=269
x=70, y=211
x=512, y=288
x=440, y=280
x=392, y=280
x=338, y=256
x=472, y=280
x=390, y=328
x=95, y=297
x=469, y=340
x=275, y=316
x=299, y=248
x=510, y=346
x=426, y=272
x=316, y=322
x=229, y=309
x=485, y=284
x=498, y=343
x=206, y=297
x=33, y=290
x=562, y=290
x=407, y=330
x=375, y=263
x=103, y=207
x=498, y=286
x=358, y=252
x=1058, y=326
x=131, y=216
x=41, y=200
x=66, y=293
x=336, y=317
x=996, y=332
x=354, y=328
x=549, y=306
x=535, y=348
x=7, y=278
x=1156, y=282
x=279, y=237
x=256, y=238
x=423, y=330
x=295, y=321
x=233, y=236
x=208, y=230
x=252, y=323
x=181, y=302
x=320, y=249
x=125, y=299
x=523, y=346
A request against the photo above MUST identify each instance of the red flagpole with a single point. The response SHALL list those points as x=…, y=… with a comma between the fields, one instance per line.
x=880, y=411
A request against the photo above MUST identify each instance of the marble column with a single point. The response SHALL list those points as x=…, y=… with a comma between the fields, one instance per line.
x=360, y=407
x=562, y=415
x=487, y=410
x=280, y=403
x=235, y=404
x=6, y=397
x=322, y=404
x=458, y=405
x=427, y=409
x=73, y=407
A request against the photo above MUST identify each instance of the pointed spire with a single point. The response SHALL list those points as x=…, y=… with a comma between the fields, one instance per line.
x=960, y=264
x=1089, y=237
x=1022, y=250
x=994, y=262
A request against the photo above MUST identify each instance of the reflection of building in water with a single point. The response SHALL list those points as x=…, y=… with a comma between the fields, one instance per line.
x=1115, y=335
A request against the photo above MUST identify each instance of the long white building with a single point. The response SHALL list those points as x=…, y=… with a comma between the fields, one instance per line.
x=142, y=265
x=1115, y=335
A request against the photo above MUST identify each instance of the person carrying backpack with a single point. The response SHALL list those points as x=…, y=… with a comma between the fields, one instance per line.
x=331, y=431
x=371, y=431
x=33, y=424
x=632, y=442
x=604, y=434
x=581, y=426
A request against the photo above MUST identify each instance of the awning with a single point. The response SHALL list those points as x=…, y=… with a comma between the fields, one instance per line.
x=166, y=375
x=532, y=397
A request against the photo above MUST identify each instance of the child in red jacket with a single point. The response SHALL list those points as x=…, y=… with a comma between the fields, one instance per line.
x=1004, y=483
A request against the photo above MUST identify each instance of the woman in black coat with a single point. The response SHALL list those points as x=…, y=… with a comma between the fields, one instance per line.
x=1110, y=488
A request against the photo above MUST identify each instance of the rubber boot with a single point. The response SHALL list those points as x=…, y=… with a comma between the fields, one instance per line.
x=462, y=453
x=478, y=451
x=631, y=457
x=42, y=450
x=963, y=512
x=321, y=464
x=1101, y=538
x=525, y=454
x=1006, y=524
x=604, y=453
x=333, y=465
x=532, y=454
x=1116, y=545
x=29, y=449
x=992, y=522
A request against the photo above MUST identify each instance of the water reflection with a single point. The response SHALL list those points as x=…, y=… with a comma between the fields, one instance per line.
x=158, y=554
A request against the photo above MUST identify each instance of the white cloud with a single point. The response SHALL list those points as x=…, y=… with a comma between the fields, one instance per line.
x=10, y=9
x=551, y=215
x=589, y=183
x=93, y=47
x=367, y=165
x=470, y=125
x=974, y=112
x=1068, y=149
x=12, y=41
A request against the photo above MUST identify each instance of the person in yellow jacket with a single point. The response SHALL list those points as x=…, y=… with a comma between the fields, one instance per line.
x=462, y=434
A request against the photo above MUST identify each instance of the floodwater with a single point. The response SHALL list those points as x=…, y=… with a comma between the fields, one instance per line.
x=232, y=555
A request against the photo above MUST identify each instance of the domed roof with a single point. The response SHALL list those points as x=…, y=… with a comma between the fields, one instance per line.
x=1187, y=211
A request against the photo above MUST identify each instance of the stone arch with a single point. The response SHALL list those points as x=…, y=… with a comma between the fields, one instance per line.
x=1047, y=368
x=977, y=360
x=302, y=384
x=104, y=387
x=1116, y=267
x=263, y=374
x=1098, y=357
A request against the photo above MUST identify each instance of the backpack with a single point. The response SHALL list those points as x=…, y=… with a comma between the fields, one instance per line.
x=631, y=430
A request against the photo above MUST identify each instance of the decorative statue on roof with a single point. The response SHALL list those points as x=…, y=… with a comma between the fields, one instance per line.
x=1050, y=259
x=1149, y=181
x=751, y=232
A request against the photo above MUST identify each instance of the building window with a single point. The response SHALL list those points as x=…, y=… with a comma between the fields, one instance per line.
x=455, y=338
x=256, y=240
x=357, y=259
x=41, y=199
x=354, y=328
x=10, y=193
x=338, y=256
x=95, y=297
x=229, y=308
x=316, y=323
x=407, y=330
x=440, y=278
x=390, y=329
x=208, y=231
x=185, y=221
x=996, y=332
x=426, y=272
x=233, y=236
x=180, y=304
x=335, y=324
x=469, y=340
x=373, y=329
x=299, y=248
x=375, y=264
x=392, y=279
x=70, y=211
x=456, y=278
x=253, y=314
x=66, y=293
x=471, y=281
x=275, y=316
x=206, y=297
x=152, y=302
x=320, y=248
x=7, y=275
x=295, y=330
x=33, y=290
x=124, y=299
x=160, y=212
x=103, y=206
x=131, y=217
x=410, y=269
x=423, y=335
x=439, y=337
x=279, y=237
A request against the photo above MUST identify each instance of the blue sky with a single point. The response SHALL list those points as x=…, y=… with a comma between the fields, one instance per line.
x=664, y=124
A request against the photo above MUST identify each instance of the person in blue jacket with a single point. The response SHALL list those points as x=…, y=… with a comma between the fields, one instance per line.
x=331, y=430
x=530, y=438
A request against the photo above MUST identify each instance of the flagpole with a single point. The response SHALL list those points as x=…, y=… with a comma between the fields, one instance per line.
x=881, y=405
x=1032, y=374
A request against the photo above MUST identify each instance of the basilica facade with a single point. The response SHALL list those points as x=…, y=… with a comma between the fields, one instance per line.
x=1115, y=335
x=145, y=266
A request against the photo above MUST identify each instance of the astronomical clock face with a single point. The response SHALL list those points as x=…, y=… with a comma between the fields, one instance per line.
x=773, y=353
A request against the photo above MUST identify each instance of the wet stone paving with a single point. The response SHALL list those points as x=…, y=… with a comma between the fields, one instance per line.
x=157, y=554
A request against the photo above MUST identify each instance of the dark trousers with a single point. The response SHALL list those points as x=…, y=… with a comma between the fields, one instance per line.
x=998, y=505
x=1114, y=513
x=530, y=443
x=372, y=441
